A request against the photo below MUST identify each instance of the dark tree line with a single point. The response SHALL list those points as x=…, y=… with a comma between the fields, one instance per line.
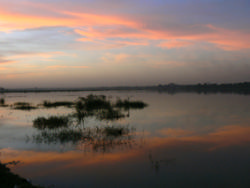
x=238, y=88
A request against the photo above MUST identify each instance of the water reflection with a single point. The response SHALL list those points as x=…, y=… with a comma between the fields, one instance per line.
x=185, y=140
x=162, y=161
x=64, y=129
x=99, y=139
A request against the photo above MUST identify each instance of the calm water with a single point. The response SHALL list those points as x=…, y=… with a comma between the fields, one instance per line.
x=182, y=140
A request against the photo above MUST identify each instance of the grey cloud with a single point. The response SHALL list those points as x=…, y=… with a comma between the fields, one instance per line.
x=36, y=40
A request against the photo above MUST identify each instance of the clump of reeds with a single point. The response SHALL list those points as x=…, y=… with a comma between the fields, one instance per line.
x=95, y=102
x=126, y=104
x=49, y=104
x=2, y=102
x=52, y=122
x=110, y=114
x=97, y=105
x=23, y=106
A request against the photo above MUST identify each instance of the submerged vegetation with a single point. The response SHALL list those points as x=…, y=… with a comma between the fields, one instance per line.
x=70, y=128
x=23, y=106
x=95, y=102
x=49, y=104
x=2, y=102
x=92, y=105
x=126, y=104
x=110, y=114
x=104, y=109
x=98, y=106
x=66, y=129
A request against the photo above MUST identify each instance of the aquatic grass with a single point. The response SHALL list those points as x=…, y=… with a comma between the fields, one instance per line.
x=110, y=114
x=2, y=103
x=49, y=104
x=21, y=103
x=52, y=122
x=126, y=104
x=66, y=128
x=97, y=105
x=23, y=106
x=95, y=102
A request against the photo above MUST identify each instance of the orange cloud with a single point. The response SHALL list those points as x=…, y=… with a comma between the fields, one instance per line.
x=13, y=21
x=139, y=33
x=65, y=67
x=7, y=62
x=222, y=38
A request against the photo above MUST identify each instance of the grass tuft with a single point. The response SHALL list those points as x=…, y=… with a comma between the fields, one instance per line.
x=126, y=104
x=49, y=104
x=23, y=106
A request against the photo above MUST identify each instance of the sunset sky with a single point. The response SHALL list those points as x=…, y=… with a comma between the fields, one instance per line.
x=82, y=43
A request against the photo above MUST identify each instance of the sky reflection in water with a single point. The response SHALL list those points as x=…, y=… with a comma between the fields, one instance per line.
x=183, y=140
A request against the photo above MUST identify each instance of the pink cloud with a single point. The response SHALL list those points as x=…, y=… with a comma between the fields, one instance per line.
x=45, y=55
x=94, y=27
x=223, y=38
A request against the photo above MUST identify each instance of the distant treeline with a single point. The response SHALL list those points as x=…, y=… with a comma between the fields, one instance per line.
x=238, y=88
x=205, y=88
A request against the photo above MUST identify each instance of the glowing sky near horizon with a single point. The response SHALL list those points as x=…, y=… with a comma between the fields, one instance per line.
x=82, y=43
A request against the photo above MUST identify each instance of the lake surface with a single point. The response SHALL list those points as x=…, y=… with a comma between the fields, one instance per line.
x=181, y=140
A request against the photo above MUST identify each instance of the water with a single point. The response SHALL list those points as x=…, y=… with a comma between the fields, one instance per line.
x=182, y=140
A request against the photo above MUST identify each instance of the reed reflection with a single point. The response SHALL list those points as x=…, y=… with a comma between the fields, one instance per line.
x=71, y=128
